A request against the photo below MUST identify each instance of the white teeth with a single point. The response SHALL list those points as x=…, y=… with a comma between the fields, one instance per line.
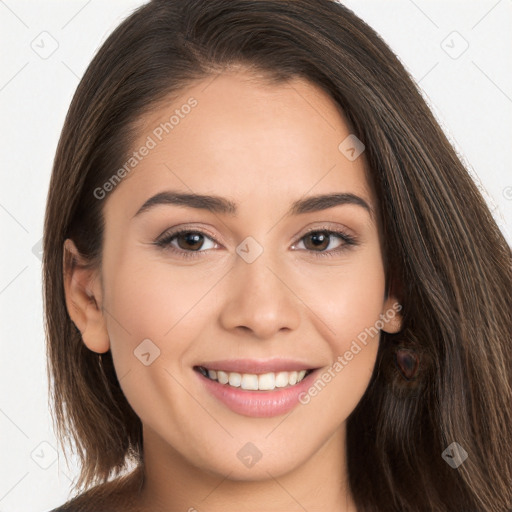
x=235, y=379
x=281, y=379
x=251, y=381
x=267, y=381
x=222, y=377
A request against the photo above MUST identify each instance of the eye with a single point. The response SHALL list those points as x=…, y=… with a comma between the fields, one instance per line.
x=188, y=241
x=319, y=241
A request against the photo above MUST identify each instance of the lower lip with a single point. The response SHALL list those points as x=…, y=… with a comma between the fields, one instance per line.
x=258, y=404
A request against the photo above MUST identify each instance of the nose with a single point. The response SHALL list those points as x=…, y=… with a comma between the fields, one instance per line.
x=260, y=300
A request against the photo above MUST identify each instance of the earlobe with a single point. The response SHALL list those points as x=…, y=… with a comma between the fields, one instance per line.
x=83, y=299
x=392, y=315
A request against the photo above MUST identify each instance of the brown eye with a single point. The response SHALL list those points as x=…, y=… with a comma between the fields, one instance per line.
x=189, y=240
x=319, y=240
x=186, y=241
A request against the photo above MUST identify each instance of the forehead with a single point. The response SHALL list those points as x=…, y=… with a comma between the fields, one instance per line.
x=243, y=138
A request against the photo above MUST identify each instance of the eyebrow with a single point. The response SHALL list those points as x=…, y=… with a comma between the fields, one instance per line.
x=217, y=204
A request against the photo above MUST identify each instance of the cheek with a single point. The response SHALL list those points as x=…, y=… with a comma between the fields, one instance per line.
x=348, y=297
x=150, y=300
x=156, y=313
x=350, y=309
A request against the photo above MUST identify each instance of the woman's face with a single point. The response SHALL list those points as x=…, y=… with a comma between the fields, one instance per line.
x=247, y=289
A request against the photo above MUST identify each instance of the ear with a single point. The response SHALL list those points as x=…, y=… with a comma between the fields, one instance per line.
x=83, y=299
x=391, y=315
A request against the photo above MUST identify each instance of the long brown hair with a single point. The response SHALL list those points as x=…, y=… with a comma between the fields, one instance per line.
x=444, y=253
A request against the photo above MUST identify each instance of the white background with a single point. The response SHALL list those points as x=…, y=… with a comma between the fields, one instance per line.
x=471, y=95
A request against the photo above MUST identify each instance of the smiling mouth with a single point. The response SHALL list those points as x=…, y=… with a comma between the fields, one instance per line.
x=253, y=381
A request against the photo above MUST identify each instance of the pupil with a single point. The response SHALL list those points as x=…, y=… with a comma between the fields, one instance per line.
x=193, y=239
x=319, y=239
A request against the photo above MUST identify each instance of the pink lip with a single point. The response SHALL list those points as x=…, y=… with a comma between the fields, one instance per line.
x=257, y=365
x=258, y=404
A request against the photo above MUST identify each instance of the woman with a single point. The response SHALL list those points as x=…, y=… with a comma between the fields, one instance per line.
x=270, y=283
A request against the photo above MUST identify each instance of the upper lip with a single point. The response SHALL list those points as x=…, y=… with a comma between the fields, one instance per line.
x=257, y=365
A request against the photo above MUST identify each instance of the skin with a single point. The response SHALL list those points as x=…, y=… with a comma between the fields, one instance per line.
x=262, y=146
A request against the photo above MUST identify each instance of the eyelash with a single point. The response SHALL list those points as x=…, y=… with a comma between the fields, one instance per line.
x=166, y=240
